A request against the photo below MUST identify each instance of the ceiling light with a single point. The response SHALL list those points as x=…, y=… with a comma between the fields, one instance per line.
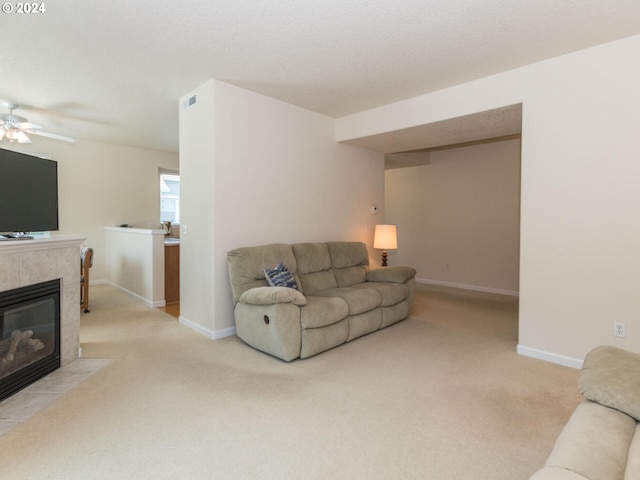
x=12, y=134
x=22, y=137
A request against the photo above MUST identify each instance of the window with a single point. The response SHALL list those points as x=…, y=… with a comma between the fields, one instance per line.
x=169, y=196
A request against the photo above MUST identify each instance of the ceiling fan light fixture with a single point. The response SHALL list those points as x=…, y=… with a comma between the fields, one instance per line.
x=22, y=137
x=15, y=128
x=12, y=134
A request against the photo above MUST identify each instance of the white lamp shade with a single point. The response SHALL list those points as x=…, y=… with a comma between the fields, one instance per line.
x=385, y=237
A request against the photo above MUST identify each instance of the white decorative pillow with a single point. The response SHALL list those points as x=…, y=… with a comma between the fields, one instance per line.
x=279, y=276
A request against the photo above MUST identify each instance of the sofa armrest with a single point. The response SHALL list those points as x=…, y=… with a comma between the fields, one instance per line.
x=390, y=274
x=611, y=377
x=272, y=295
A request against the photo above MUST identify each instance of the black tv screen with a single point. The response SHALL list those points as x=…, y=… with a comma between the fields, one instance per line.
x=28, y=193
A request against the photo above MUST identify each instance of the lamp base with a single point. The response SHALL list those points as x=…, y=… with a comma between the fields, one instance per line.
x=384, y=258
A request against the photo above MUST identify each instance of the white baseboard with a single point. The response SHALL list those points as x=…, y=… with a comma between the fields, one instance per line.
x=549, y=357
x=135, y=296
x=211, y=334
x=463, y=286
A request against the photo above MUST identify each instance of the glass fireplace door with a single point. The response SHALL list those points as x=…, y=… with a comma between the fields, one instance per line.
x=29, y=335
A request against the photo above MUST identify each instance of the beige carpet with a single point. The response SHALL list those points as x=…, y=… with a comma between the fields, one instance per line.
x=442, y=395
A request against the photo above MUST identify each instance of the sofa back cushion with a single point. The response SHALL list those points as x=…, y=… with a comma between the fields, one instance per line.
x=350, y=262
x=314, y=267
x=247, y=266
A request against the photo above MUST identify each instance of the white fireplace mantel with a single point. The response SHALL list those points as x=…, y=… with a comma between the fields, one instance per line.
x=27, y=262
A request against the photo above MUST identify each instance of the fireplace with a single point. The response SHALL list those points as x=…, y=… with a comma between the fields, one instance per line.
x=29, y=335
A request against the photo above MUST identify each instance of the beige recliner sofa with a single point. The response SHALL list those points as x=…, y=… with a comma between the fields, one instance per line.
x=338, y=297
x=601, y=440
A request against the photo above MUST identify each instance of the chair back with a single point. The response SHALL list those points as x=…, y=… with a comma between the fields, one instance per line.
x=86, y=258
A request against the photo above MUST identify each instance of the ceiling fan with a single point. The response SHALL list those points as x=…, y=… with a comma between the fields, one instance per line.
x=15, y=128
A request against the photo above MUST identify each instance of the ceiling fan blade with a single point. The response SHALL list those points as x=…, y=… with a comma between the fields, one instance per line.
x=27, y=126
x=51, y=135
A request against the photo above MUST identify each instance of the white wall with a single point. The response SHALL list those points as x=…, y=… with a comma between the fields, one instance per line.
x=134, y=261
x=103, y=185
x=197, y=210
x=579, y=261
x=277, y=175
x=458, y=218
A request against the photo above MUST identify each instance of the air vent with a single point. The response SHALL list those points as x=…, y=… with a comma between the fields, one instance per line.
x=190, y=101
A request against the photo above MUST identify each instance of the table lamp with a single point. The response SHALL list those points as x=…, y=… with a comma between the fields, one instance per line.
x=385, y=238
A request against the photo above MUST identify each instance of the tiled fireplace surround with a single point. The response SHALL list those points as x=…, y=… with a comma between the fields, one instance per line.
x=27, y=262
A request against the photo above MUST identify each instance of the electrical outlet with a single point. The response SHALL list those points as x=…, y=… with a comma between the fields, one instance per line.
x=619, y=329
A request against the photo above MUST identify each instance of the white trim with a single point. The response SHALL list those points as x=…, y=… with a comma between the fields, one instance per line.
x=226, y=332
x=549, y=357
x=210, y=334
x=138, y=231
x=135, y=296
x=476, y=288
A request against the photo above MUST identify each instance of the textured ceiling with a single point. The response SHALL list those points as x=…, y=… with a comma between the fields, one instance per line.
x=113, y=71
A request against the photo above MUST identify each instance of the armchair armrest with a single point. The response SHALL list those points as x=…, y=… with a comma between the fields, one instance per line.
x=272, y=295
x=390, y=274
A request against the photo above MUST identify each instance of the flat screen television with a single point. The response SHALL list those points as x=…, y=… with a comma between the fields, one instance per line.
x=28, y=193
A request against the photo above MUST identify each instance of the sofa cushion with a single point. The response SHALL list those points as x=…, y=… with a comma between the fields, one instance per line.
x=395, y=313
x=611, y=377
x=316, y=340
x=311, y=257
x=348, y=254
x=359, y=300
x=321, y=311
x=350, y=261
x=391, y=293
x=312, y=283
x=279, y=276
x=364, y=323
x=314, y=267
x=349, y=276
